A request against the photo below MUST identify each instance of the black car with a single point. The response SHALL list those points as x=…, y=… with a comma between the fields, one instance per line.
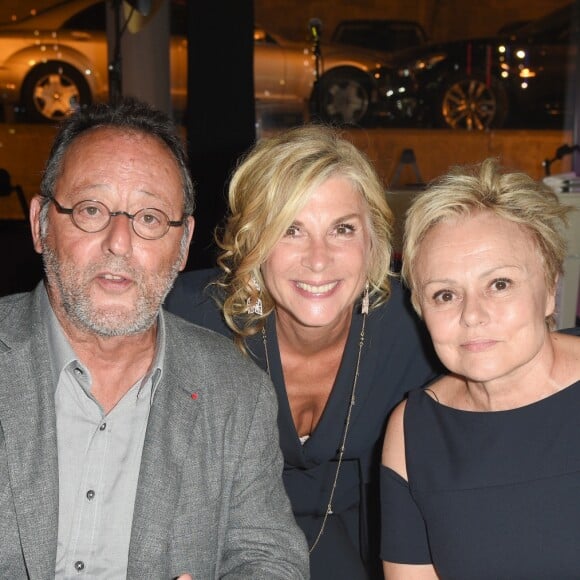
x=524, y=79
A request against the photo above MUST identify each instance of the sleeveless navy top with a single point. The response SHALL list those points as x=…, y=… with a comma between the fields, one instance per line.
x=490, y=494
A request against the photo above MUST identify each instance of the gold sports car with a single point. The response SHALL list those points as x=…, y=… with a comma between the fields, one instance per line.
x=56, y=60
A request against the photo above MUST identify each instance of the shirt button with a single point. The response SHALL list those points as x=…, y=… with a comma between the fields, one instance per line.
x=103, y=427
x=90, y=494
x=79, y=565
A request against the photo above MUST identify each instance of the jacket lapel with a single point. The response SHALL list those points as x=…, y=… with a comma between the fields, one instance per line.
x=167, y=445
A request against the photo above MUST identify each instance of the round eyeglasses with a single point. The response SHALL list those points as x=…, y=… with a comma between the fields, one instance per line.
x=94, y=216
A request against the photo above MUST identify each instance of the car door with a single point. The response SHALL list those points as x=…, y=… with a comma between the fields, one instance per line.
x=178, y=56
x=269, y=68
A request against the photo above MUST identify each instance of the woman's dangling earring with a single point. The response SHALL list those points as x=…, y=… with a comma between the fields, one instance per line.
x=365, y=300
x=254, y=306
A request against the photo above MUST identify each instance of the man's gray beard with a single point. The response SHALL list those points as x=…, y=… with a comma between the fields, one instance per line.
x=73, y=292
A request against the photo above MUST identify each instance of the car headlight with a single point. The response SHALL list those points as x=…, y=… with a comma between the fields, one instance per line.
x=421, y=64
x=382, y=76
x=389, y=85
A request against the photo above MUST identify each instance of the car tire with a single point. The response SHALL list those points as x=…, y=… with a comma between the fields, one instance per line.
x=472, y=103
x=342, y=97
x=52, y=91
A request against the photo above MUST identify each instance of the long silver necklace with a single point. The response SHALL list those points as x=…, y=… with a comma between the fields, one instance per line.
x=329, y=510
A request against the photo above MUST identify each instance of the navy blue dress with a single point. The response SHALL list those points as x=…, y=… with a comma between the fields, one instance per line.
x=396, y=358
x=490, y=495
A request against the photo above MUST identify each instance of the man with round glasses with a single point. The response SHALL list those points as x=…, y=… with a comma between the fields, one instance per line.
x=132, y=444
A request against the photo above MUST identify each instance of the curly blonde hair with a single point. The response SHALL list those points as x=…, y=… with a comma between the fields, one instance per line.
x=270, y=186
x=513, y=196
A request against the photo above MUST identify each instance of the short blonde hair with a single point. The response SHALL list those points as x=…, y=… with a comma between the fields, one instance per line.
x=487, y=186
x=268, y=189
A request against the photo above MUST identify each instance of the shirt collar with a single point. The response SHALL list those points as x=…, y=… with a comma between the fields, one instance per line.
x=62, y=354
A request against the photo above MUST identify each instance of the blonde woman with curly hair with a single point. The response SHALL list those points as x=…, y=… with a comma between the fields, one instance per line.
x=305, y=289
x=482, y=468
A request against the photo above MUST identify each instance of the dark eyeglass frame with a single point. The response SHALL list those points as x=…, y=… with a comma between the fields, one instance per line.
x=70, y=211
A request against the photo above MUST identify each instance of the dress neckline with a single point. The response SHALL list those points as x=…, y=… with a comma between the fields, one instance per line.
x=549, y=399
x=339, y=395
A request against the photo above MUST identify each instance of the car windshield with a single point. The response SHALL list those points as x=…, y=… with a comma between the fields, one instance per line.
x=93, y=18
x=380, y=34
x=551, y=24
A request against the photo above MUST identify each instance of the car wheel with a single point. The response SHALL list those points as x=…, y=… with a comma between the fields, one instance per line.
x=343, y=97
x=472, y=103
x=52, y=91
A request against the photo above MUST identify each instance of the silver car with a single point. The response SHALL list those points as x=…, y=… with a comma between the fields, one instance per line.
x=56, y=61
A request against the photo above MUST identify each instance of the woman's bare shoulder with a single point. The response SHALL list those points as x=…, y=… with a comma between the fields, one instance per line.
x=394, y=443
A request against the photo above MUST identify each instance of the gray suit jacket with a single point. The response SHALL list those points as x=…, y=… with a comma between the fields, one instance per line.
x=210, y=499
